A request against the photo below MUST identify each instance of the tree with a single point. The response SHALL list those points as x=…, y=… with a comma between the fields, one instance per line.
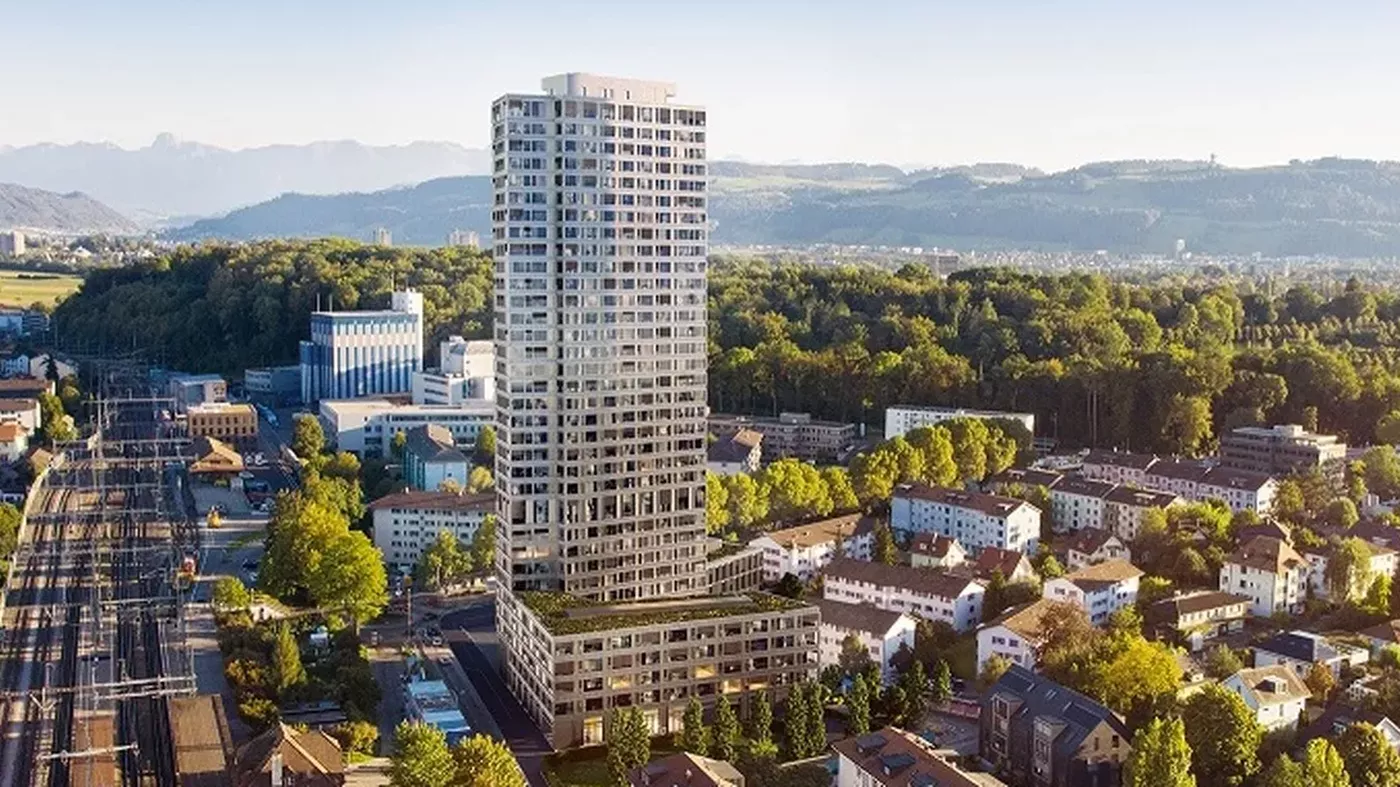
x=839, y=488
x=1341, y=513
x=858, y=707
x=1388, y=429
x=1284, y=771
x=450, y=486
x=694, y=736
x=760, y=722
x=300, y=531
x=56, y=425
x=358, y=737
x=789, y=586
x=629, y=741
x=397, y=445
x=914, y=682
x=1348, y=568
x=231, y=594
x=1377, y=601
x=1160, y=756
x=484, y=449
x=993, y=668
x=1144, y=675
x=1370, y=762
x=444, y=562
x=483, y=548
x=1289, y=504
x=350, y=579
x=724, y=736
x=1223, y=736
x=854, y=655
x=287, y=670
x=1382, y=471
x=421, y=757
x=483, y=761
x=746, y=506
x=884, y=550
x=716, y=503
x=480, y=479
x=1323, y=766
x=1050, y=568
x=1320, y=681
x=942, y=688
x=1221, y=662
x=308, y=439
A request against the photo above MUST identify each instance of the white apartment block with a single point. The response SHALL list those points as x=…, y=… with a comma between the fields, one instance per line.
x=1382, y=563
x=932, y=595
x=1015, y=635
x=1100, y=590
x=903, y=419
x=1117, y=467
x=1239, y=489
x=1270, y=572
x=406, y=523
x=881, y=632
x=1077, y=503
x=805, y=549
x=1124, y=506
x=1274, y=695
x=366, y=427
x=977, y=520
x=464, y=373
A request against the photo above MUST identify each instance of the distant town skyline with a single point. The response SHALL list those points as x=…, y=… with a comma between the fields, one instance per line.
x=884, y=81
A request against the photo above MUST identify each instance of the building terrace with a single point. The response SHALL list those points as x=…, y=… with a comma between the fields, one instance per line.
x=564, y=614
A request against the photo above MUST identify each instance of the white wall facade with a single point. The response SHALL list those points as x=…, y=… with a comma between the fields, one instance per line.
x=1010, y=645
x=403, y=534
x=962, y=612
x=1098, y=604
x=1268, y=592
x=882, y=646
x=1076, y=512
x=1019, y=530
x=900, y=420
x=806, y=561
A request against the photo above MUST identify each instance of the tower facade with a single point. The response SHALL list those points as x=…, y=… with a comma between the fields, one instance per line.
x=599, y=236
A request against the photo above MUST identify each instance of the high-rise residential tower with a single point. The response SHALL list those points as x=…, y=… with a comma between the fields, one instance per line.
x=599, y=238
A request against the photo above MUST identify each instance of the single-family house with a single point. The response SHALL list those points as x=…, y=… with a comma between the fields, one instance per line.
x=1099, y=590
x=1274, y=695
x=1093, y=545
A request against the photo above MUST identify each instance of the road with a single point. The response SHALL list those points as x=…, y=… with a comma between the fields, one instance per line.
x=462, y=629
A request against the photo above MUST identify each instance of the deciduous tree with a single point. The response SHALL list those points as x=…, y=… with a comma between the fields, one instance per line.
x=858, y=707
x=1223, y=735
x=421, y=757
x=1159, y=757
x=1369, y=759
x=483, y=761
x=1323, y=766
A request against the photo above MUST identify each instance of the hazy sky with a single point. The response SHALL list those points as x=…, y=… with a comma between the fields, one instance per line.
x=1052, y=83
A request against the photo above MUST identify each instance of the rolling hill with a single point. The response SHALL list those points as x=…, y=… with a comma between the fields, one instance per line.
x=30, y=209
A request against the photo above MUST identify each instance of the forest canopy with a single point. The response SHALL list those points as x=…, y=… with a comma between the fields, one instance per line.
x=1159, y=365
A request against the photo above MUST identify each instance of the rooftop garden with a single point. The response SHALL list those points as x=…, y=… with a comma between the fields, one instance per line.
x=562, y=613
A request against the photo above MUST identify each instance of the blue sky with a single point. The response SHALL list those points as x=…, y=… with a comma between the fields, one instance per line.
x=1050, y=83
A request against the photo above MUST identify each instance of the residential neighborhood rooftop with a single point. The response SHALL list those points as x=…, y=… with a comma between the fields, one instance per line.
x=435, y=501
x=823, y=531
x=1272, y=685
x=1266, y=553
x=993, y=505
x=920, y=580
x=856, y=617
x=895, y=758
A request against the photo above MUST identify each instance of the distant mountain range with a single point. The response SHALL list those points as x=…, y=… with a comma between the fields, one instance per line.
x=172, y=178
x=1326, y=207
x=24, y=208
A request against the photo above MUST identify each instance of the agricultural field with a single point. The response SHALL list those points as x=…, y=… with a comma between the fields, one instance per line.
x=22, y=288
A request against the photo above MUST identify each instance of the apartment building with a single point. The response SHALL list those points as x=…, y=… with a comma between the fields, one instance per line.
x=1381, y=563
x=231, y=423
x=954, y=598
x=599, y=229
x=933, y=550
x=1036, y=732
x=1274, y=695
x=1123, y=508
x=1284, y=449
x=1077, y=503
x=366, y=427
x=1015, y=635
x=406, y=523
x=1197, y=616
x=804, y=550
x=796, y=435
x=25, y=412
x=881, y=632
x=1100, y=589
x=353, y=354
x=976, y=519
x=892, y=757
x=1092, y=546
x=431, y=459
x=1023, y=478
x=1117, y=467
x=732, y=568
x=740, y=452
x=1241, y=490
x=1270, y=572
x=903, y=419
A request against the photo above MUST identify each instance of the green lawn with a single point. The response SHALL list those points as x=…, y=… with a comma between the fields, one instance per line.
x=588, y=767
x=19, y=288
